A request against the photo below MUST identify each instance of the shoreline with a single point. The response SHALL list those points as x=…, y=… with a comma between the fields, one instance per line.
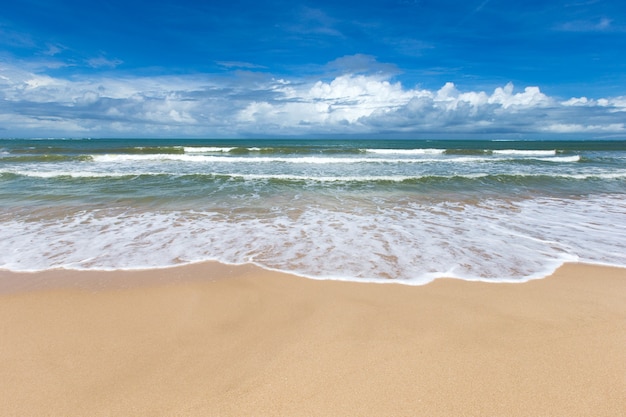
x=215, y=339
x=101, y=279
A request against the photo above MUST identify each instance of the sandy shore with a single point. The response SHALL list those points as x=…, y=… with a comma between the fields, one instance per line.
x=215, y=340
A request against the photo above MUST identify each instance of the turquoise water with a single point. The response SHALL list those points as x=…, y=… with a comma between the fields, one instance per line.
x=373, y=210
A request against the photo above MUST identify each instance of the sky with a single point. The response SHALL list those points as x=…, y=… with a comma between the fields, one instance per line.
x=239, y=69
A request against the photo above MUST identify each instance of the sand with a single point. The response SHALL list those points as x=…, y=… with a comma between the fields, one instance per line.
x=216, y=340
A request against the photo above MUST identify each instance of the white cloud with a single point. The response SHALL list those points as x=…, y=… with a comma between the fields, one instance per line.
x=315, y=21
x=578, y=128
x=103, y=62
x=360, y=64
x=615, y=104
x=54, y=49
x=360, y=103
x=577, y=101
x=239, y=64
x=36, y=104
x=602, y=25
x=531, y=97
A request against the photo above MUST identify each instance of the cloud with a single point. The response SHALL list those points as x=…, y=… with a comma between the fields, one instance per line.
x=239, y=64
x=481, y=5
x=54, y=49
x=13, y=38
x=360, y=64
x=257, y=104
x=409, y=47
x=311, y=21
x=578, y=128
x=103, y=62
x=602, y=25
x=369, y=104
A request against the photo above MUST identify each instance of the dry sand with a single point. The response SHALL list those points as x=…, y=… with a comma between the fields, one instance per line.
x=215, y=340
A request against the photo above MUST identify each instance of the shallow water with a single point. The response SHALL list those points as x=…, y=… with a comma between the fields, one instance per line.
x=362, y=210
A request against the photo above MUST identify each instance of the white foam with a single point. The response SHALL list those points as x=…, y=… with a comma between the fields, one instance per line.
x=236, y=159
x=159, y=147
x=117, y=158
x=523, y=152
x=77, y=174
x=317, y=160
x=591, y=175
x=294, y=177
x=207, y=149
x=564, y=159
x=343, y=178
x=406, y=151
x=413, y=242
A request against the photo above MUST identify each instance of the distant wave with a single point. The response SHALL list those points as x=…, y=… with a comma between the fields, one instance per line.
x=574, y=158
x=44, y=158
x=406, y=151
x=311, y=159
x=320, y=178
x=524, y=152
x=207, y=149
x=76, y=174
x=284, y=150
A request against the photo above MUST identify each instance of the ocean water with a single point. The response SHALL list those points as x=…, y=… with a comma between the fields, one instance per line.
x=374, y=210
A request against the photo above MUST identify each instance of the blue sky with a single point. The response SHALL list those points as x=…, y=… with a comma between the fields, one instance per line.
x=396, y=68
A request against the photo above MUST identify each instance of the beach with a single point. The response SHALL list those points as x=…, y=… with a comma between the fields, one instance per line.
x=374, y=277
x=372, y=209
x=216, y=340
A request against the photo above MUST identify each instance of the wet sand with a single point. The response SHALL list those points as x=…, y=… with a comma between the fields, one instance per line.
x=217, y=340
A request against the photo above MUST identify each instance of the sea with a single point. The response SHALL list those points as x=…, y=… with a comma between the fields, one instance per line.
x=403, y=211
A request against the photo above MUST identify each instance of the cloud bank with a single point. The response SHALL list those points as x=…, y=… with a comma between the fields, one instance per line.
x=247, y=104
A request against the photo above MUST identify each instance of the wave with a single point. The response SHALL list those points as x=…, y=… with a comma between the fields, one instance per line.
x=262, y=159
x=208, y=149
x=277, y=150
x=44, y=158
x=74, y=152
x=222, y=155
x=76, y=174
x=524, y=152
x=500, y=178
x=151, y=150
x=312, y=159
x=477, y=152
x=467, y=152
x=566, y=159
x=411, y=242
x=236, y=159
x=406, y=151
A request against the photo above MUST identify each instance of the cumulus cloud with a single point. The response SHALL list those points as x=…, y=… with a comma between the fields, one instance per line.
x=368, y=104
x=358, y=103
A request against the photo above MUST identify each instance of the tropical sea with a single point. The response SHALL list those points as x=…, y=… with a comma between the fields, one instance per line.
x=404, y=211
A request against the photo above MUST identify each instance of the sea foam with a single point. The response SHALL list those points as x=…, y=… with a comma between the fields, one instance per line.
x=413, y=243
